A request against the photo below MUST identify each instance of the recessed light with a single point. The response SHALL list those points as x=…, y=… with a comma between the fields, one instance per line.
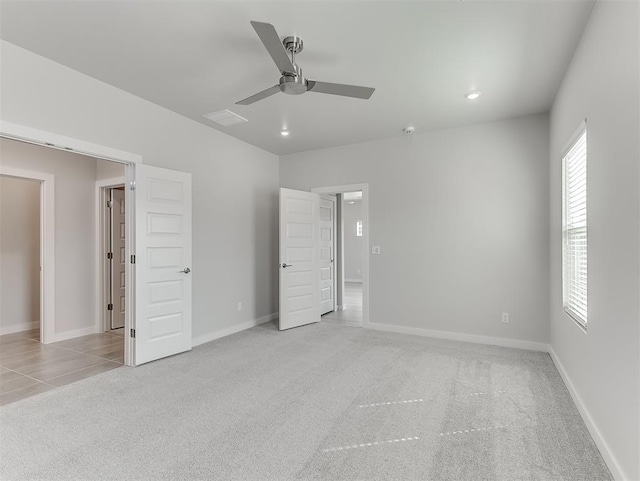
x=284, y=133
x=474, y=94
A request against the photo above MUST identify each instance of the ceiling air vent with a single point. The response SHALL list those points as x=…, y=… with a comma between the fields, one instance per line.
x=225, y=118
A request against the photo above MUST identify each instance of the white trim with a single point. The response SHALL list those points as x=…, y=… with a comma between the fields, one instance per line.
x=130, y=279
x=212, y=336
x=60, y=142
x=63, y=336
x=458, y=336
x=357, y=281
x=25, y=326
x=603, y=447
x=47, y=247
x=340, y=189
x=101, y=185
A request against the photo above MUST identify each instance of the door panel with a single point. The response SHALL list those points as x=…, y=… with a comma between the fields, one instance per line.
x=118, y=239
x=163, y=253
x=327, y=253
x=299, y=259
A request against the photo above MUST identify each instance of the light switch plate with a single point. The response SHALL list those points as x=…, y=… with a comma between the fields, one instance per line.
x=375, y=250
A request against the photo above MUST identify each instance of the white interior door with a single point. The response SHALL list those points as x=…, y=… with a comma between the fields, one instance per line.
x=327, y=253
x=163, y=263
x=299, y=258
x=118, y=259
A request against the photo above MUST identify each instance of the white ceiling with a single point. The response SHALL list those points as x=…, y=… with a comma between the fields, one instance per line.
x=197, y=57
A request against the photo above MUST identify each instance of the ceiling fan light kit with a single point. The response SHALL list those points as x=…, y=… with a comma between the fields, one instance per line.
x=292, y=82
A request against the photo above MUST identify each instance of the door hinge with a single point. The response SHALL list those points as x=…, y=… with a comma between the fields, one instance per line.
x=109, y=307
x=109, y=255
x=133, y=333
x=110, y=204
x=133, y=258
x=132, y=185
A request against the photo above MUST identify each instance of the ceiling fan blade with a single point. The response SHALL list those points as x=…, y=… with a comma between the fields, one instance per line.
x=340, y=89
x=260, y=95
x=272, y=43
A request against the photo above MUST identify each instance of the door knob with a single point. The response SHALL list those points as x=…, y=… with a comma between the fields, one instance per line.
x=186, y=270
x=285, y=265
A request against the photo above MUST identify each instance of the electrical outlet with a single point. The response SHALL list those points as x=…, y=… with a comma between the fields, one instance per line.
x=375, y=250
x=239, y=306
x=505, y=317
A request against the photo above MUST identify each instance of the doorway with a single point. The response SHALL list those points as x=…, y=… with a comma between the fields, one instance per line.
x=349, y=255
x=351, y=264
x=67, y=242
x=20, y=244
x=158, y=301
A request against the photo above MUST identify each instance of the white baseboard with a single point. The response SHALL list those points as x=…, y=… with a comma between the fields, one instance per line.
x=354, y=280
x=607, y=455
x=26, y=326
x=457, y=336
x=212, y=336
x=63, y=336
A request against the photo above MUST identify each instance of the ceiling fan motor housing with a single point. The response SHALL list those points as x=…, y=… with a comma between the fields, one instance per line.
x=283, y=53
x=293, y=84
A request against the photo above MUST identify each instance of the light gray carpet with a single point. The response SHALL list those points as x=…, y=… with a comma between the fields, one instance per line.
x=321, y=402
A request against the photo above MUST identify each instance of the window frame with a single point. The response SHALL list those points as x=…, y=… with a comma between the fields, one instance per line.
x=571, y=308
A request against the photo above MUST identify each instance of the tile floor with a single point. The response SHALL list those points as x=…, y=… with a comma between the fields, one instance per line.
x=28, y=367
x=352, y=314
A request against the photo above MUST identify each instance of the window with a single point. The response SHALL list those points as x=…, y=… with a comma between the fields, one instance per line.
x=359, y=228
x=574, y=230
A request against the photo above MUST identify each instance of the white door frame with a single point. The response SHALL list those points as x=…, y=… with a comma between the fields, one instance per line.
x=47, y=239
x=341, y=189
x=102, y=324
x=30, y=135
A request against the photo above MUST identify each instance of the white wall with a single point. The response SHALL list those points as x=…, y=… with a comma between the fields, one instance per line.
x=19, y=254
x=603, y=364
x=109, y=170
x=74, y=227
x=461, y=216
x=235, y=185
x=353, y=245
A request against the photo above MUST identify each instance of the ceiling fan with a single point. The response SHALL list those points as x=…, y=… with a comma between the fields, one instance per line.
x=292, y=81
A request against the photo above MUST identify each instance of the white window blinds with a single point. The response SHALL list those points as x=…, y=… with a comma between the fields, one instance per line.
x=574, y=252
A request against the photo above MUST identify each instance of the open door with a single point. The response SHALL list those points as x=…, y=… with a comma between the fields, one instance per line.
x=299, y=258
x=162, y=264
x=118, y=258
x=327, y=253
